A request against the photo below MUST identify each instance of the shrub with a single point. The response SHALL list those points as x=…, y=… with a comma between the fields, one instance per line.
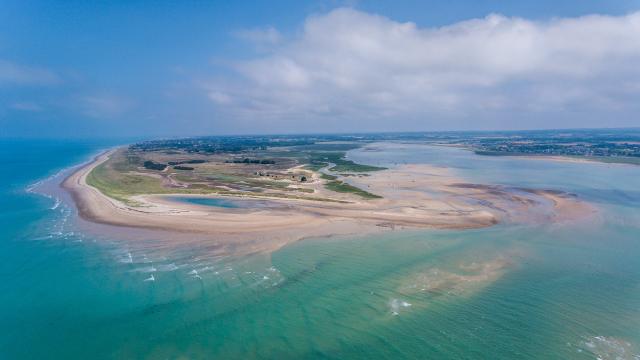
x=154, y=165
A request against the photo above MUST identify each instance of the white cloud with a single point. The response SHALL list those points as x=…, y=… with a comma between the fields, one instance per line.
x=220, y=97
x=268, y=36
x=351, y=64
x=16, y=74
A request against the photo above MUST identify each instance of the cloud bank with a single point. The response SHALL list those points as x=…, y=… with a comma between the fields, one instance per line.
x=349, y=64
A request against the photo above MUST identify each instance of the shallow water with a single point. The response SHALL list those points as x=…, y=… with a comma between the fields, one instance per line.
x=225, y=203
x=562, y=291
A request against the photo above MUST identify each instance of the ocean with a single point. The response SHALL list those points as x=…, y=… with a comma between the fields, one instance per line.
x=512, y=291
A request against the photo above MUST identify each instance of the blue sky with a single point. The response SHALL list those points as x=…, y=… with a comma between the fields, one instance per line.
x=152, y=68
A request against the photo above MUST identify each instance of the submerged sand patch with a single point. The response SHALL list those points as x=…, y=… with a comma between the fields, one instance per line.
x=464, y=279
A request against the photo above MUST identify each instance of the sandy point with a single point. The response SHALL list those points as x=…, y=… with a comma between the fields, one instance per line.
x=414, y=196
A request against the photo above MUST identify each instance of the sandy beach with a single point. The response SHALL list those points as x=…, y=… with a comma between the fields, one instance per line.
x=414, y=196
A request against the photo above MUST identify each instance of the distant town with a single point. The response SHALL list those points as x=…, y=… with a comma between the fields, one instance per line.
x=619, y=145
x=607, y=145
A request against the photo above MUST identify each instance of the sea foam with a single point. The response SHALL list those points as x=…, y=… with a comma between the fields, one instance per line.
x=396, y=305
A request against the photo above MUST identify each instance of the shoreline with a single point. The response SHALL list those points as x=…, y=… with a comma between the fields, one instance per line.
x=561, y=158
x=558, y=158
x=406, y=204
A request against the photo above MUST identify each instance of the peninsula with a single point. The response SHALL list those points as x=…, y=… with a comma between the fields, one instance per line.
x=259, y=194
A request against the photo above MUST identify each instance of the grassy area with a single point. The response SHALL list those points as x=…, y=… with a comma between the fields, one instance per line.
x=350, y=166
x=124, y=175
x=118, y=178
x=343, y=187
x=341, y=164
x=121, y=186
x=316, y=166
x=317, y=156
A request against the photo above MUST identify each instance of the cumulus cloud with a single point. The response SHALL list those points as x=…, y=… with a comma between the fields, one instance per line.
x=16, y=74
x=352, y=64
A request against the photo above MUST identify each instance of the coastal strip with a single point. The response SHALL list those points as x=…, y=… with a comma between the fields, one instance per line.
x=413, y=196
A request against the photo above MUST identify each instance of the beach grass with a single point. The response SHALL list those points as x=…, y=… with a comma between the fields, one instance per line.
x=316, y=166
x=343, y=187
x=340, y=163
x=115, y=178
x=122, y=176
x=121, y=186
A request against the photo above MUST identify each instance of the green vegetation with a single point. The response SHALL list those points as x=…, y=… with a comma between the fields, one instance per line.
x=124, y=175
x=121, y=186
x=220, y=144
x=350, y=166
x=252, y=161
x=343, y=187
x=316, y=166
x=151, y=165
x=603, y=145
x=195, y=161
x=341, y=164
x=608, y=145
x=197, y=165
x=162, y=167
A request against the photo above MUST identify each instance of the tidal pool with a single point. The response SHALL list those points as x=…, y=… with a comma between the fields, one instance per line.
x=227, y=203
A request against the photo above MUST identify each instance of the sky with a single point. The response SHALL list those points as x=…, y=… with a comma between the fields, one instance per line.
x=188, y=68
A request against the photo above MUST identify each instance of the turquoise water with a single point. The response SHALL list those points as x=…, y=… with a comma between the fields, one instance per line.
x=563, y=291
x=224, y=203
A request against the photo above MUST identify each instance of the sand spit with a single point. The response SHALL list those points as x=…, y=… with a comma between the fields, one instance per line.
x=414, y=196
